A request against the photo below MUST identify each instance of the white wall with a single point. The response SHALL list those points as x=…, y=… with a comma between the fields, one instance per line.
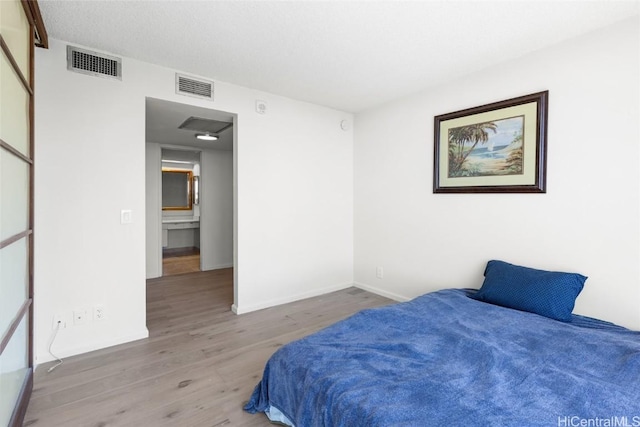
x=294, y=198
x=216, y=208
x=588, y=221
x=153, y=242
x=83, y=256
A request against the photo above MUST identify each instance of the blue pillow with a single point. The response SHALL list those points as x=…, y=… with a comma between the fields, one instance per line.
x=547, y=293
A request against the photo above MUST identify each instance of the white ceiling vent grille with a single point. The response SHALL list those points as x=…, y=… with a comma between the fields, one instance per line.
x=190, y=86
x=93, y=63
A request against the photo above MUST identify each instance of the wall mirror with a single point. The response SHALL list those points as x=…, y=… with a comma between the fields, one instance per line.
x=176, y=189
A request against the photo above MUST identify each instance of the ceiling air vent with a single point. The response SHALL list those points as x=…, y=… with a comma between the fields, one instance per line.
x=93, y=63
x=194, y=87
x=204, y=125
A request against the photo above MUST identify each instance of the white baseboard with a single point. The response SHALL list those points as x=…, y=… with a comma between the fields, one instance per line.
x=377, y=291
x=92, y=346
x=217, y=267
x=290, y=298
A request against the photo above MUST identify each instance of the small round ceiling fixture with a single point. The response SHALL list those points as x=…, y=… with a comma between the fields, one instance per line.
x=345, y=125
x=206, y=136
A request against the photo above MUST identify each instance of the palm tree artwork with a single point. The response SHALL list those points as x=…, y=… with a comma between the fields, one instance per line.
x=487, y=148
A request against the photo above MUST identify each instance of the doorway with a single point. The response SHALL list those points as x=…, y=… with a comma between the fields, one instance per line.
x=198, y=237
x=180, y=211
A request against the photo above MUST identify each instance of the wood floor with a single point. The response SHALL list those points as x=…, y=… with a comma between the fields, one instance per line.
x=174, y=252
x=198, y=366
x=180, y=265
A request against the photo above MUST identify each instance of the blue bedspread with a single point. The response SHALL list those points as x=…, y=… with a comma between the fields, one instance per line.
x=446, y=359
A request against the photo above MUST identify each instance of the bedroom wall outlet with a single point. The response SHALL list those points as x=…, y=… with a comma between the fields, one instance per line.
x=98, y=313
x=79, y=316
x=379, y=272
x=59, y=318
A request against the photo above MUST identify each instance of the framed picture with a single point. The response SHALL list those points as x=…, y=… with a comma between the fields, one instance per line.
x=494, y=148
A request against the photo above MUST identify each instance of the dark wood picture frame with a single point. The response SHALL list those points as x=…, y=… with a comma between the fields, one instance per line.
x=517, y=166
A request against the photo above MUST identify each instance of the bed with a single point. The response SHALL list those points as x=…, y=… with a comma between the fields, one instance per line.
x=451, y=358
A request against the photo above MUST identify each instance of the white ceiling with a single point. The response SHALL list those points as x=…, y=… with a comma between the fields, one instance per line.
x=349, y=55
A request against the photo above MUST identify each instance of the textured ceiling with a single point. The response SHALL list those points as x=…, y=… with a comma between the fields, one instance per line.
x=349, y=55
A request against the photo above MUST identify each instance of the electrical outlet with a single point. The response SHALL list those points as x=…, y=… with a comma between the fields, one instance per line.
x=379, y=272
x=99, y=313
x=80, y=316
x=59, y=318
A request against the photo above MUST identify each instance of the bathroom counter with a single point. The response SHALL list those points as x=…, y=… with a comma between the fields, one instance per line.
x=180, y=223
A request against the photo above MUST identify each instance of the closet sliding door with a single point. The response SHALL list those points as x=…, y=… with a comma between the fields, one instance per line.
x=17, y=38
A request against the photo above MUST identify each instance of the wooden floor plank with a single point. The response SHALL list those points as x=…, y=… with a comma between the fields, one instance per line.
x=180, y=265
x=198, y=366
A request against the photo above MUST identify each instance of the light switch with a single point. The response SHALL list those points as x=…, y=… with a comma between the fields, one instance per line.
x=126, y=217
